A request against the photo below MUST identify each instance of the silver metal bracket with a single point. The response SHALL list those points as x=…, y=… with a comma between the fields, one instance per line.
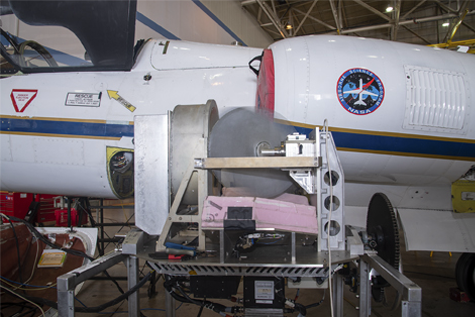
x=66, y=283
x=411, y=292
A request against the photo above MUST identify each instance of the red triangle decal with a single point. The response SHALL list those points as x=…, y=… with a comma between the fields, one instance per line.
x=21, y=98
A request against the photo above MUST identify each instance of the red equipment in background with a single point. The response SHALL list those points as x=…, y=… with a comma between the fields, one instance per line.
x=15, y=204
x=62, y=217
x=18, y=204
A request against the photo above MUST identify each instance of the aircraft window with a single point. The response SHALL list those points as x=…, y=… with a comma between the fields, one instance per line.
x=68, y=36
x=39, y=47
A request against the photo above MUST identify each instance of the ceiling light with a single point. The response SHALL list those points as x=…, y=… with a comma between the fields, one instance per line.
x=445, y=24
x=288, y=27
x=389, y=9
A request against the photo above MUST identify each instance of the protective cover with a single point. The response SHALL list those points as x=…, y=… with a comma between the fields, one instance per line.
x=106, y=28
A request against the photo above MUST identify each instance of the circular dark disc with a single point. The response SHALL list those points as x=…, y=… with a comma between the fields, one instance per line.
x=381, y=224
x=238, y=134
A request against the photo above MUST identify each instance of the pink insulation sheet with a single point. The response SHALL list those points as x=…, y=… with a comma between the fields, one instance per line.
x=282, y=214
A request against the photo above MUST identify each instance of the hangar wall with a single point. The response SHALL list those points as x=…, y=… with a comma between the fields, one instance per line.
x=218, y=22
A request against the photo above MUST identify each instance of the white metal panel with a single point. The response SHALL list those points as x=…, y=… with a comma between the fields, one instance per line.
x=189, y=55
x=438, y=230
x=22, y=148
x=436, y=100
x=409, y=197
x=56, y=179
x=291, y=66
x=6, y=152
x=331, y=56
x=402, y=170
x=162, y=92
x=56, y=166
x=308, y=102
x=152, y=179
x=66, y=151
x=425, y=214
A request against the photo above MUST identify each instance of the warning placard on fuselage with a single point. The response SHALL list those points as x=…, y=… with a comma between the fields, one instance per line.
x=83, y=99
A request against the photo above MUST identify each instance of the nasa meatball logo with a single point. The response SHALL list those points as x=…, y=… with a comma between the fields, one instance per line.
x=360, y=91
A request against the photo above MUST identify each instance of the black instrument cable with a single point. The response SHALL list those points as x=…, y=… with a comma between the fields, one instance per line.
x=76, y=253
x=17, y=250
x=50, y=303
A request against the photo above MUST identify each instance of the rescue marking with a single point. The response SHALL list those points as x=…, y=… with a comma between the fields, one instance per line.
x=360, y=91
x=114, y=95
x=83, y=99
x=21, y=98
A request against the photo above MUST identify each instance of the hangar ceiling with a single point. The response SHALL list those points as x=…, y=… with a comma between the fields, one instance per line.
x=420, y=22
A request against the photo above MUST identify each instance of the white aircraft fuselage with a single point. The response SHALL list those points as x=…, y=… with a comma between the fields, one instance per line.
x=400, y=114
x=57, y=144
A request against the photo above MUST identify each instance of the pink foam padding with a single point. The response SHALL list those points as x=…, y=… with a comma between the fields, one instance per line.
x=295, y=199
x=268, y=213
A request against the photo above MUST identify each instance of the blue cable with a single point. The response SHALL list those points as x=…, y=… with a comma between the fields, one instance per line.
x=269, y=243
x=80, y=301
x=28, y=285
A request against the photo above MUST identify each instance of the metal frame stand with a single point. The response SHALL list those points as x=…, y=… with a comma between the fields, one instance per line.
x=173, y=217
x=67, y=283
x=338, y=299
x=133, y=279
x=100, y=224
x=309, y=171
x=365, y=289
x=411, y=292
x=169, y=305
x=137, y=243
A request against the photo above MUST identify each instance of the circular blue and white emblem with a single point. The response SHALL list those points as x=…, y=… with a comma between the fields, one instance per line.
x=360, y=91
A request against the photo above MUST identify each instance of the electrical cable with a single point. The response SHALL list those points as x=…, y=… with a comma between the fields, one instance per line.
x=325, y=127
x=89, y=215
x=95, y=309
x=115, y=311
x=47, y=241
x=17, y=248
x=22, y=305
x=92, y=309
x=8, y=281
x=69, y=251
x=82, y=254
x=25, y=299
x=201, y=309
x=318, y=303
x=31, y=312
x=34, y=263
x=171, y=283
x=35, y=287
